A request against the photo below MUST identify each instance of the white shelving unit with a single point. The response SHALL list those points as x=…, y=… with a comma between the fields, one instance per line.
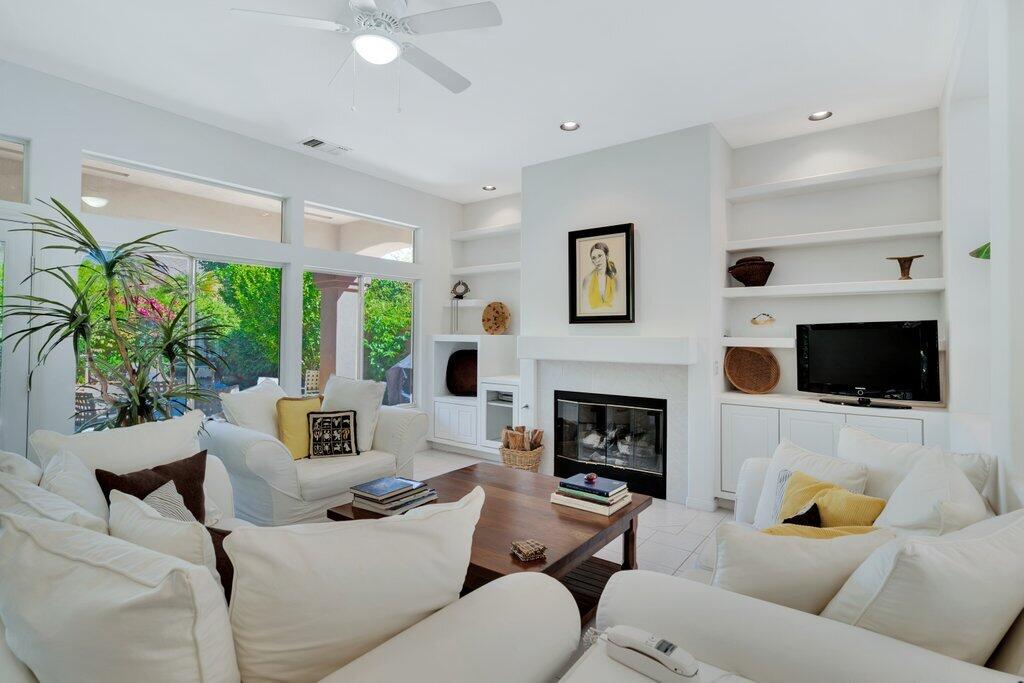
x=760, y=342
x=923, y=285
x=915, y=168
x=474, y=234
x=847, y=236
x=486, y=268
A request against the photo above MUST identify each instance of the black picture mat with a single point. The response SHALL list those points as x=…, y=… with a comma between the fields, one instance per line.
x=625, y=229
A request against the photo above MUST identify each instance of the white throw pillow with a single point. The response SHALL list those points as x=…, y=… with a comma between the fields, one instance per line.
x=935, y=498
x=308, y=599
x=19, y=466
x=802, y=573
x=788, y=456
x=67, y=476
x=20, y=497
x=956, y=594
x=81, y=606
x=138, y=523
x=364, y=397
x=125, y=449
x=889, y=462
x=254, y=408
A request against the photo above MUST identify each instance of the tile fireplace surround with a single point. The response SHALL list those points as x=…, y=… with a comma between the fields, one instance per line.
x=668, y=382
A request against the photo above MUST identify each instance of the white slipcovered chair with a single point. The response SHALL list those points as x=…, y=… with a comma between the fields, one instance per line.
x=271, y=488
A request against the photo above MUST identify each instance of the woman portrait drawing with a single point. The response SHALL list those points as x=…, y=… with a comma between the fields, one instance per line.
x=601, y=275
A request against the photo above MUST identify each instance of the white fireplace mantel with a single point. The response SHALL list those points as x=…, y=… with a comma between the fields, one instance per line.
x=611, y=349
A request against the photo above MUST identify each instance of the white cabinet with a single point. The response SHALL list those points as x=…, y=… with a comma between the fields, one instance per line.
x=901, y=429
x=747, y=432
x=455, y=422
x=500, y=409
x=818, y=432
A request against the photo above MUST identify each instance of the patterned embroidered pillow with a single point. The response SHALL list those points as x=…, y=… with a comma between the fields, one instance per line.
x=332, y=433
x=168, y=502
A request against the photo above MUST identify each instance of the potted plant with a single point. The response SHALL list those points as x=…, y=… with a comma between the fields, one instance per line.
x=130, y=319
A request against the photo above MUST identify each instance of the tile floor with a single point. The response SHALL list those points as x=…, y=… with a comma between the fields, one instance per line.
x=669, y=538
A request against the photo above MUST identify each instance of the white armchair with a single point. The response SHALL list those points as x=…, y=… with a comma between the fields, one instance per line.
x=271, y=488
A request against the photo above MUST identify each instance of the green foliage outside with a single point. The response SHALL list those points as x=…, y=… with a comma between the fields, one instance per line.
x=387, y=326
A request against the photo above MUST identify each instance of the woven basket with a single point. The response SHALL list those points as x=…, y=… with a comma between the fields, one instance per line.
x=522, y=460
x=752, y=370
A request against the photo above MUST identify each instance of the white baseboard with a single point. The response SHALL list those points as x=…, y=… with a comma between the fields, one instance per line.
x=705, y=504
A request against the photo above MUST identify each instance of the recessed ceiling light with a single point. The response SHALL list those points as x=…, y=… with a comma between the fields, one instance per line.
x=819, y=115
x=95, y=202
x=489, y=188
x=376, y=49
x=570, y=126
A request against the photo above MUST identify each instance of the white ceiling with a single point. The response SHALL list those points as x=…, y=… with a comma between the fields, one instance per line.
x=627, y=70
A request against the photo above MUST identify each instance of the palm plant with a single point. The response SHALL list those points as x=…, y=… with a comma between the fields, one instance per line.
x=112, y=304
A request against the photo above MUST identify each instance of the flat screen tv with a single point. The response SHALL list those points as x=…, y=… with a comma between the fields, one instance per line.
x=889, y=360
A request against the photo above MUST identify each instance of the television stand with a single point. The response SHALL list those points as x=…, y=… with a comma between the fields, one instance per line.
x=863, y=403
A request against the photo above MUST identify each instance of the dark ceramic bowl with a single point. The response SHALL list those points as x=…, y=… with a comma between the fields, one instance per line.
x=752, y=271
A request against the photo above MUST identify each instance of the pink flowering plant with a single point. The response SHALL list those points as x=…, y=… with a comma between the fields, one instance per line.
x=129, y=318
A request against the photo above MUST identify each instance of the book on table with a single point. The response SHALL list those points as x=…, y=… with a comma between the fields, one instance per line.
x=560, y=498
x=593, y=498
x=385, y=488
x=397, y=506
x=599, y=487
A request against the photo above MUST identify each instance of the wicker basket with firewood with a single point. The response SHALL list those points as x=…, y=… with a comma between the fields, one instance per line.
x=522, y=449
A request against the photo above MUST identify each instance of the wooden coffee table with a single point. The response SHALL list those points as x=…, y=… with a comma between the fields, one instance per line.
x=518, y=506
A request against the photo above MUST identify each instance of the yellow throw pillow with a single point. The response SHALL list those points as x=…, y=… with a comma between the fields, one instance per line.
x=800, y=491
x=293, y=425
x=840, y=508
x=837, y=506
x=815, y=532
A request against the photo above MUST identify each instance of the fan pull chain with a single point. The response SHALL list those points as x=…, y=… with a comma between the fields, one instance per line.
x=399, y=111
x=354, y=84
x=340, y=67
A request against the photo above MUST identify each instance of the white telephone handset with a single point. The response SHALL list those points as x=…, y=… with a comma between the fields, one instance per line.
x=651, y=656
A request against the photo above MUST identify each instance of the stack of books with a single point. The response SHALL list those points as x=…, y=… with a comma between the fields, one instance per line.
x=391, y=495
x=602, y=496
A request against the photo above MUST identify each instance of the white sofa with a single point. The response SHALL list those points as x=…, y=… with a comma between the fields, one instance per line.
x=272, y=488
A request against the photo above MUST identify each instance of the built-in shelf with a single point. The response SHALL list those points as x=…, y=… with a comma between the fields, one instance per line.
x=932, y=284
x=484, y=233
x=611, y=349
x=848, y=236
x=501, y=379
x=468, y=303
x=915, y=168
x=501, y=404
x=810, y=402
x=761, y=342
x=462, y=400
x=489, y=268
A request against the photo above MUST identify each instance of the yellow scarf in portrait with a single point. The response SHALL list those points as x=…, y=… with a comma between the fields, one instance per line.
x=594, y=295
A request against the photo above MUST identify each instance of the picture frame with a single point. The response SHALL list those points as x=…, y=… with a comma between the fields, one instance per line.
x=601, y=275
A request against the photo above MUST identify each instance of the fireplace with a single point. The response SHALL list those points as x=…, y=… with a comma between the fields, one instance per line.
x=621, y=437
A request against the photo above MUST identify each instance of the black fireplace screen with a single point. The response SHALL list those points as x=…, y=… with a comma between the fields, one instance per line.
x=616, y=431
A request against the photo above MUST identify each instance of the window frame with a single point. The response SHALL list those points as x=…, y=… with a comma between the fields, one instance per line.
x=414, y=241
x=25, y=160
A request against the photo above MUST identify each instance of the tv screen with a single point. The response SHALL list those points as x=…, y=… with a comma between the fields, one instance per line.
x=894, y=360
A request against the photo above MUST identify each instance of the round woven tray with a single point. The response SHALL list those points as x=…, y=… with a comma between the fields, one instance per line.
x=752, y=370
x=495, y=318
x=522, y=460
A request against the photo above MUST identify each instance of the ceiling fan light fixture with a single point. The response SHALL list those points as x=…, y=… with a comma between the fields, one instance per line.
x=375, y=48
x=570, y=126
x=819, y=115
x=95, y=202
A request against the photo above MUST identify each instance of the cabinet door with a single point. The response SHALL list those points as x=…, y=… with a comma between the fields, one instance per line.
x=900, y=429
x=817, y=432
x=443, y=420
x=464, y=424
x=747, y=432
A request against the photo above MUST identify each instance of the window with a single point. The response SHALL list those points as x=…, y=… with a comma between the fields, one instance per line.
x=359, y=327
x=244, y=299
x=111, y=189
x=12, y=170
x=335, y=230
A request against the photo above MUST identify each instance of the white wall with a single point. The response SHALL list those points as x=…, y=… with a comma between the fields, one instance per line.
x=662, y=186
x=61, y=119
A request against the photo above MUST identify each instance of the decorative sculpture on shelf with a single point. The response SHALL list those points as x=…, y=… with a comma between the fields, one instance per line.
x=905, y=263
x=459, y=291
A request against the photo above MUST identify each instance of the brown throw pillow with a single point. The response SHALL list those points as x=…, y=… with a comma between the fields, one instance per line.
x=224, y=566
x=188, y=476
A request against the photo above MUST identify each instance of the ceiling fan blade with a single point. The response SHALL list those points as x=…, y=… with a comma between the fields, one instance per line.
x=441, y=73
x=292, y=20
x=477, y=15
x=368, y=6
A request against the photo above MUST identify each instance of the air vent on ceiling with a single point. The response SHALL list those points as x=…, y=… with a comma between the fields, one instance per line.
x=324, y=146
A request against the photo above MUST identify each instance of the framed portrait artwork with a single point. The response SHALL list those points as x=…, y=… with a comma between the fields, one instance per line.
x=601, y=275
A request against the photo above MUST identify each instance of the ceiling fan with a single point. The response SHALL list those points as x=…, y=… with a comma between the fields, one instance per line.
x=378, y=26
